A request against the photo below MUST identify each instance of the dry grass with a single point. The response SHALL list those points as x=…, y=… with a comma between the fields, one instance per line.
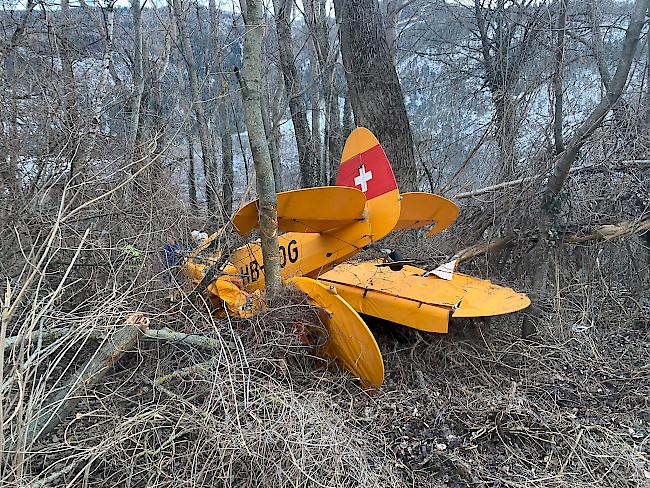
x=477, y=407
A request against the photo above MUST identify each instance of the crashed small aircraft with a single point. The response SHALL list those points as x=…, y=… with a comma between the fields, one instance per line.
x=321, y=229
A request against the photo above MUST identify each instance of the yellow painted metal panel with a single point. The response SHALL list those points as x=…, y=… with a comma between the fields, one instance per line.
x=304, y=254
x=417, y=315
x=384, y=293
x=350, y=341
x=359, y=141
x=419, y=209
x=484, y=299
x=308, y=210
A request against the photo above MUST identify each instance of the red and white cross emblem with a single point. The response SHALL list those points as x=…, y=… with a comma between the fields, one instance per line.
x=363, y=178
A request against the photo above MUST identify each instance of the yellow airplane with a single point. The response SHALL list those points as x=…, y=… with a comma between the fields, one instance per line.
x=321, y=229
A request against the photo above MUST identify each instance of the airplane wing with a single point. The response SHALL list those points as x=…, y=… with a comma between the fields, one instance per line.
x=310, y=210
x=421, y=302
x=421, y=209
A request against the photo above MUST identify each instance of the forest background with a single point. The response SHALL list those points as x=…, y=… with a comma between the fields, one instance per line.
x=123, y=125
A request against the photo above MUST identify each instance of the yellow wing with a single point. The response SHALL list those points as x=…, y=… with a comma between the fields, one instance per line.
x=421, y=209
x=426, y=303
x=310, y=210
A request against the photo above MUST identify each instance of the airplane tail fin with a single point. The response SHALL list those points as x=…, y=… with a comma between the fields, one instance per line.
x=364, y=165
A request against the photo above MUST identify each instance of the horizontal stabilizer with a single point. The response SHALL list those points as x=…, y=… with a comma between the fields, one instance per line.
x=310, y=210
x=421, y=209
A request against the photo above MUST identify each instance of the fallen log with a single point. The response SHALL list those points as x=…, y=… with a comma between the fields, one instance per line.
x=605, y=232
x=162, y=335
x=62, y=402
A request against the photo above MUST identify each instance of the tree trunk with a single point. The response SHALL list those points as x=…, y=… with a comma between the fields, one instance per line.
x=507, y=129
x=225, y=132
x=391, y=16
x=226, y=152
x=268, y=201
x=348, y=118
x=277, y=109
x=558, y=76
x=207, y=149
x=191, y=174
x=564, y=160
x=316, y=19
x=63, y=401
x=375, y=92
x=274, y=149
x=315, y=115
x=69, y=88
x=647, y=78
x=297, y=104
x=138, y=79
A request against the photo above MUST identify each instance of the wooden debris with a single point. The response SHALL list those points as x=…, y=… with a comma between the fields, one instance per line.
x=62, y=402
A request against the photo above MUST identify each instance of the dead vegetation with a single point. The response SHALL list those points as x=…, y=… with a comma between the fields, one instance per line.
x=244, y=403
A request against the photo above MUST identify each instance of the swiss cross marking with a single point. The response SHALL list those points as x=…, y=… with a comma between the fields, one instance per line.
x=363, y=178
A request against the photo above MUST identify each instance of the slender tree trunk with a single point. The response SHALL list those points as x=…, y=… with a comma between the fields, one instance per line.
x=274, y=149
x=138, y=79
x=207, y=149
x=558, y=79
x=315, y=117
x=391, y=14
x=223, y=112
x=69, y=88
x=348, y=117
x=95, y=117
x=507, y=129
x=647, y=86
x=228, y=177
x=277, y=109
x=191, y=174
x=268, y=202
x=316, y=19
x=375, y=91
x=297, y=104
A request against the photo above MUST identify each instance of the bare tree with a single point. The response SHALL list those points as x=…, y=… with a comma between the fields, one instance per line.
x=558, y=78
x=297, y=105
x=326, y=54
x=566, y=158
x=138, y=78
x=207, y=149
x=223, y=112
x=268, y=202
x=375, y=91
x=508, y=35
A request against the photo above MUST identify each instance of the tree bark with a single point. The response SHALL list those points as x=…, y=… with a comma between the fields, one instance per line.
x=138, y=79
x=375, y=92
x=225, y=126
x=391, y=16
x=268, y=200
x=316, y=18
x=226, y=152
x=69, y=88
x=191, y=174
x=297, y=104
x=274, y=145
x=207, y=149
